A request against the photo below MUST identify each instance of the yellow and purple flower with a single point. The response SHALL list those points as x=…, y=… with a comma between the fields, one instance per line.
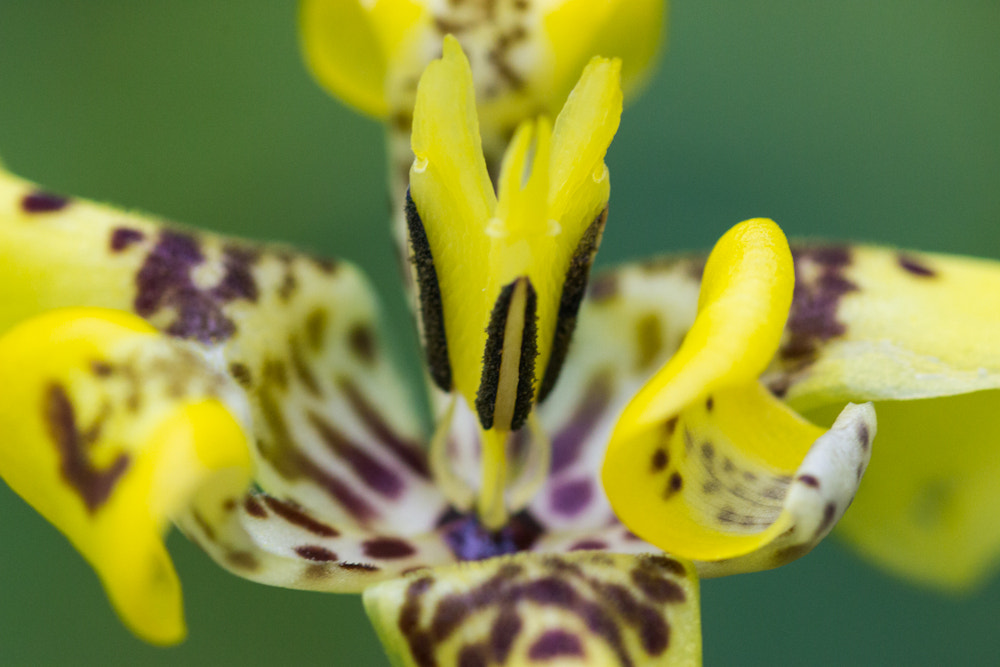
x=156, y=374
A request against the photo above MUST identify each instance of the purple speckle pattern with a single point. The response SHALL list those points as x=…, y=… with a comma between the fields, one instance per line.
x=165, y=282
x=123, y=237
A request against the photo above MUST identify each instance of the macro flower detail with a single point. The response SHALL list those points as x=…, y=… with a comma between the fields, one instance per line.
x=597, y=446
x=345, y=496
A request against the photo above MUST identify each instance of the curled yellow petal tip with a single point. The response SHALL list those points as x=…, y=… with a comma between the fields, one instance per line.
x=109, y=460
x=705, y=462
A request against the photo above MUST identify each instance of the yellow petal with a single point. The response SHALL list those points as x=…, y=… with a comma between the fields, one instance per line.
x=630, y=30
x=110, y=430
x=892, y=325
x=574, y=609
x=745, y=294
x=349, y=44
x=907, y=330
x=703, y=459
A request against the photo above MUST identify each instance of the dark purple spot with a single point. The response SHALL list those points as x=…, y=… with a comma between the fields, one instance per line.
x=674, y=484
x=656, y=587
x=43, y=202
x=809, y=480
x=589, y=545
x=92, y=484
x=315, y=553
x=253, y=508
x=668, y=564
x=554, y=644
x=709, y=403
x=123, y=237
x=660, y=460
x=387, y=548
x=914, y=266
x=707, y=451
x=864, y=437
x=829, y=516
x=237, y=280
x=295, y=516
x=372, y=472
x=571, y=498
x=358, y=567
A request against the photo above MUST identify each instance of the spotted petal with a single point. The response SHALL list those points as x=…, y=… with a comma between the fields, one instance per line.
x=704, y=463
x=333, y=427
x=111, y=430
x=579, y=609
x=917, y=333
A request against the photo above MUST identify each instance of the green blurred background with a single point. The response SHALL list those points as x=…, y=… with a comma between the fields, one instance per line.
x=876, y=121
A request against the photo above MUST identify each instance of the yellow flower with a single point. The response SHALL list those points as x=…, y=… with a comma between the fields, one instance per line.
x=149, y=373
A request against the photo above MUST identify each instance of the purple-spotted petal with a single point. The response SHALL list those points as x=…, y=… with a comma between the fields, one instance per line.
x=333, y=426
x=532, y=609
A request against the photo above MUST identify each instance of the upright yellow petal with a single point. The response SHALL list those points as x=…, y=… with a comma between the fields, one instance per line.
x=110, y=430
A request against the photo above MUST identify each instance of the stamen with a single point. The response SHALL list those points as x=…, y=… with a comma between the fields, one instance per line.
x=506, y=387
x=452, y=485
x=574, y=289
x=534, y=467
x=431, y=306
x=511, y=356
